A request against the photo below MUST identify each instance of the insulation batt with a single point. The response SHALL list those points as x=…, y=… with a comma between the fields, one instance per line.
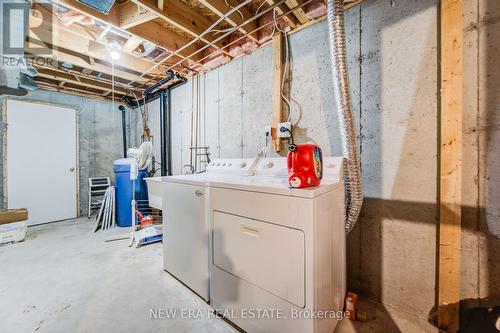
x=71, y=16
x=216, y=60
x=266, y=33
x=242, y=46
x=315, y=9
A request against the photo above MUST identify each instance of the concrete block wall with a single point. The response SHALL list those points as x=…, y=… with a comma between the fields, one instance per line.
x=481, y=134
x=100, y=136
x=393, y=66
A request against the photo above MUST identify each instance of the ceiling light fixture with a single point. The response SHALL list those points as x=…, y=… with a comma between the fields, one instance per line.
x=114, y=48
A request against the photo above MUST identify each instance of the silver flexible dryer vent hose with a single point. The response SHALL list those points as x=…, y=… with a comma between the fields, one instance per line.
x=352, y=175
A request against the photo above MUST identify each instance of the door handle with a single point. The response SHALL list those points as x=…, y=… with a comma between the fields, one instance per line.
x=198, y=193
x=250, y=230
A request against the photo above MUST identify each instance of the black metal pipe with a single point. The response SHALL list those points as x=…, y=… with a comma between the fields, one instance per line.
x=134, y=103
x=165, y=116
x=165, y=134
x=124, y=130
x=168, y=131
x=149, y=95
x=171, y=76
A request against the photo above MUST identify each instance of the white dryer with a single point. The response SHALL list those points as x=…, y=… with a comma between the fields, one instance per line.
x=278, y=253
x=186, y=227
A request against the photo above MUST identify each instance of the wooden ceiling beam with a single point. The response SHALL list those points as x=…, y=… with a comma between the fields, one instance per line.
x=220, y=8
x=70, y=38
x=280, y=10
x=132, y=15
x=58, y=55
x=69, y=78
x=149, y=31
x=300, y=12
x=48, y=85
x=159, y=35
x=131, y=44
x=182, y=17
x=84, y=74
x=112, y=18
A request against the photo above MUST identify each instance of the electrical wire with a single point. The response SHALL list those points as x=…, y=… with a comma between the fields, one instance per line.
x=220, y=31
x=239, y=12
x=258, y=8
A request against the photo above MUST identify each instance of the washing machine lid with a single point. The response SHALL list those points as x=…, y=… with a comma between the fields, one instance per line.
x=274, y=186
x=271, y=176
x=228, y=168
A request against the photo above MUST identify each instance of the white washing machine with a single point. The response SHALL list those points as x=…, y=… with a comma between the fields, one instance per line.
x=186, y=227
x=279, y=257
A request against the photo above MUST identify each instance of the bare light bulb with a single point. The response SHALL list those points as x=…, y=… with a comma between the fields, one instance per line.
x=115, y=55
x=114, y=50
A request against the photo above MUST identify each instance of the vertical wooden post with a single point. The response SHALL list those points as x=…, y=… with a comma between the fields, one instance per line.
x=450, y=165
x=278, y=78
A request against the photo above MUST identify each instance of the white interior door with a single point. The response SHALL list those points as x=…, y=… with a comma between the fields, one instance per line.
x=41, y=160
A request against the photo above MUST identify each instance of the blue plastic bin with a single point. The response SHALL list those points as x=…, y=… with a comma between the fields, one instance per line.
x=123, y=186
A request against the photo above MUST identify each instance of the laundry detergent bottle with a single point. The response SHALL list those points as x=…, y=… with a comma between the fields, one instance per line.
x=305, y=165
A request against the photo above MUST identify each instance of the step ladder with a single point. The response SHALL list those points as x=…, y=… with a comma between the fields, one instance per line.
x=97, y=188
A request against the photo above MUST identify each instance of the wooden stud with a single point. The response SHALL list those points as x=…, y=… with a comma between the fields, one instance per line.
x=450, y=165
x=277, y=99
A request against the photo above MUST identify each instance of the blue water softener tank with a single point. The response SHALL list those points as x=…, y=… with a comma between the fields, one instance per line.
x=123, y=185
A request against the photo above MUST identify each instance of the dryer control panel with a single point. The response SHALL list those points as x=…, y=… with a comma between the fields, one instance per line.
x=235, y=166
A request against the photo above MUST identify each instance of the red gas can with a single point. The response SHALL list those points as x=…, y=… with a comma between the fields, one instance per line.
x=305, y=165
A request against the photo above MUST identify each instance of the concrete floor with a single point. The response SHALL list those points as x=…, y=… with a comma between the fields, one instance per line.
x=63, y=278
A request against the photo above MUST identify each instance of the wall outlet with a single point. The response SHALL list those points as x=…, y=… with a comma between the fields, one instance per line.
x=285, y=134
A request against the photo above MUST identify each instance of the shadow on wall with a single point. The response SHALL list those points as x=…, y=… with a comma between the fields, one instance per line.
x=392, y=250
x=489, y=220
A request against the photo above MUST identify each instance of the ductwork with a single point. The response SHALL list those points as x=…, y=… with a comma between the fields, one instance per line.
x=352, y=176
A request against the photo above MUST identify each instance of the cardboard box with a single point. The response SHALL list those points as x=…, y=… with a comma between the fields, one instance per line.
x=12, y=232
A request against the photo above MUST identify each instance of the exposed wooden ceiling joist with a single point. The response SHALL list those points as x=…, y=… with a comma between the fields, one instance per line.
x=54, y=86
x=80, y=81
x=112, y=18
x=149, y=31
x=60, y=55
x=131, y=44
x=280, y=10
x=220, y=8
x=157, y=34
x=300, y=12
x=131, y=15
x=181, y=16
x=71, y=38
